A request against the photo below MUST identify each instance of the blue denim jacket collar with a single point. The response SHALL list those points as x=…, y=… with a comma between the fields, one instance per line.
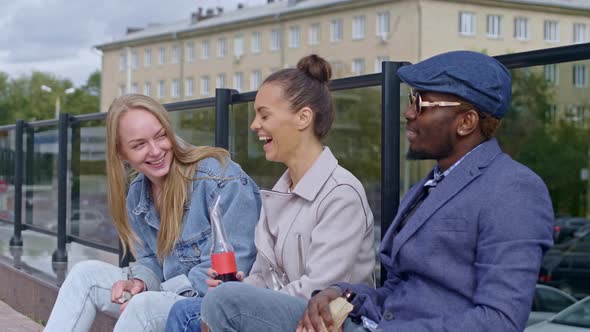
x=145, y=201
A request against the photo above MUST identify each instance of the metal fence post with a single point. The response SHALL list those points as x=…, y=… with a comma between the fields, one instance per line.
x=222, y=103
x=29, y=176
x=390, y=147
x=75, y=167
x=16, y=240
x=60, y=255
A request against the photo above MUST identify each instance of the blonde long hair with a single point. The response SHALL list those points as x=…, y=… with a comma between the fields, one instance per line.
x=170, y=203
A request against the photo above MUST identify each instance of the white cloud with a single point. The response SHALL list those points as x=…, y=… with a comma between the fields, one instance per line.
x=57, y=36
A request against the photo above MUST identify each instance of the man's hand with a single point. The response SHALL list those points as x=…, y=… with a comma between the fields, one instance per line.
x=134, y=287
x=318, y=311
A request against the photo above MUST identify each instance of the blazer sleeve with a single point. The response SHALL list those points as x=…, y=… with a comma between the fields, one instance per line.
x=513, y=234
x=336, y=240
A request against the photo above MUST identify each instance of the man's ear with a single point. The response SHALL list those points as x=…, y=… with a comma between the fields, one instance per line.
x=468, y=123
x=304, y=118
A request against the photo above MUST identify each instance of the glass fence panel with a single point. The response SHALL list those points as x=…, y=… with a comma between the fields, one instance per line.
x=7, y=151
x=548, y=129
x=196, y=126
x=89, y=216
x=40, y=182
x=355, y=139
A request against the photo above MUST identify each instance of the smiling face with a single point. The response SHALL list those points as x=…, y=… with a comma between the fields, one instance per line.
x=276, y=124
x=144, y=144
x=432, y=134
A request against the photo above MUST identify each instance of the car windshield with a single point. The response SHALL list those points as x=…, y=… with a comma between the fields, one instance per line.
x=576, y=315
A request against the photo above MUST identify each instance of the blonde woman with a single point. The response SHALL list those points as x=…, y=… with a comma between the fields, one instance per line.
x=162, y=217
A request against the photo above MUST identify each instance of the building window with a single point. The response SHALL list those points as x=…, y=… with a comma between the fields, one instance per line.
x=189, y=87
x=383, y=24
x=175, y=88
x=204, y=85
x=337, y=68
x=336, y=33
x=205, y=50
x=255, y=79
x=467, y=23
x=134, y=60
x=134, y=88
x=147, y=57
x=552, y=74
x=577, y=113
x=551, y=31
x=255, y=46
x=220, y=81
x=494, y=27
x=190, y=52
x=521, y=28
x=358, y=66
x=238, y=81
x=294, y=36
x=221, y=47
x=275, y=40
x=162, y=56
x=379, y=61
x=314, y=34
x=147, y=88
x=580, y=76
x=358, y=27
x=161, y=89
x=123, y=61
x=122, y=90
x=176, y=54
x=238, y=45
x=552, y=113
x=580, y=33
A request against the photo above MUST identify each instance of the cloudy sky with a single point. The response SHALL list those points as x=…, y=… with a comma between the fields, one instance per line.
x=57, y=36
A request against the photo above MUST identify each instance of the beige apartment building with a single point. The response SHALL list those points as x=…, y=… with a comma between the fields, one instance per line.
x=237, y=49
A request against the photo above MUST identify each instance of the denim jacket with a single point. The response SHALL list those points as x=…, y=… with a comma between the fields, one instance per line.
x=186, y=266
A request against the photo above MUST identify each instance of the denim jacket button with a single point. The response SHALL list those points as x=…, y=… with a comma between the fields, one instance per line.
x=388, y=315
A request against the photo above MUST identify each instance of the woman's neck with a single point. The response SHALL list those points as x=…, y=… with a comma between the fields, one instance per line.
x=302, y=161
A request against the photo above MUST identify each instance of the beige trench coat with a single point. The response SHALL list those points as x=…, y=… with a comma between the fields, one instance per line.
x=317, y=235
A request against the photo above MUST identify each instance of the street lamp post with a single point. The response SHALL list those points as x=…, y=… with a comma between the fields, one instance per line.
x=57, y=98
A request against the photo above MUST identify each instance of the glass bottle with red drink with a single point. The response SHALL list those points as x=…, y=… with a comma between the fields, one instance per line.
x=223, y=259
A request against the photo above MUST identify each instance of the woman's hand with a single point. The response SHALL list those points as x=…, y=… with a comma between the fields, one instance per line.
x=119, y=288
x=212, y=282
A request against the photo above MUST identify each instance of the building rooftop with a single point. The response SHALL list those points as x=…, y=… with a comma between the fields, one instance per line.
x=274, y=9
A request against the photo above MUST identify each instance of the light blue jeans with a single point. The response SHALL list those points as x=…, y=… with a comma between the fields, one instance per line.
x=235, y=306
x=87, y=289
x=185, y=316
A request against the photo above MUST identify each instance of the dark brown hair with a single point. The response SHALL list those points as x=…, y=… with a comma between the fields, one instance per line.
x=488, y=126
x=307, y=86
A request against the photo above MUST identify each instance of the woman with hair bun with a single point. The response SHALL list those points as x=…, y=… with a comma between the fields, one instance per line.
x=315, y=227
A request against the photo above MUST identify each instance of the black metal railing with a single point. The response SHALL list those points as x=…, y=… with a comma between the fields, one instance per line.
x=69, y=139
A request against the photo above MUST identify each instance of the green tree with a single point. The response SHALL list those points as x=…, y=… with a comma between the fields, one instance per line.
x=556, y=151
x=23, y=98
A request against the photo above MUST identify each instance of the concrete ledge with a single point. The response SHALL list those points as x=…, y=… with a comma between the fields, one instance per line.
x=33, y=295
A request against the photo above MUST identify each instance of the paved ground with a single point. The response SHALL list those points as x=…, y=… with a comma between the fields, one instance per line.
x=13, y=321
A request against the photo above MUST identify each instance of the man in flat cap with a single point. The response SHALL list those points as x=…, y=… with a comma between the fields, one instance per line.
x=464, y=251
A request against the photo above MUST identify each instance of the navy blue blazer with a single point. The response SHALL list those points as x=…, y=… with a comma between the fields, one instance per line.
x=469, y=257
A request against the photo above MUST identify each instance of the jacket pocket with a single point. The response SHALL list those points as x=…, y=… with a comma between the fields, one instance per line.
x=189, y=252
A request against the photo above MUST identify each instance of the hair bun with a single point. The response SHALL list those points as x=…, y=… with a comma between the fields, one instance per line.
x=316, y=67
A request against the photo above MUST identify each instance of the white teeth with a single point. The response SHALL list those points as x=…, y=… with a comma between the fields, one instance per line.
x=264, y=138
x=156, y=162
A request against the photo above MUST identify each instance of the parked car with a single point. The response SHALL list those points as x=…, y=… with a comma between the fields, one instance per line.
x=565, y=227
x=567, y=266
x=547, y=302
x=575, y=318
